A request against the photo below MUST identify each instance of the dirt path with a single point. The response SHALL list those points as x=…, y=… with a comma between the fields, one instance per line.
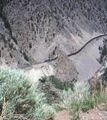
x=98, y=113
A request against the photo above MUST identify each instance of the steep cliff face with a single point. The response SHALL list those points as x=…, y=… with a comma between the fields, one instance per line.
x=31, y=30
x=37, y=27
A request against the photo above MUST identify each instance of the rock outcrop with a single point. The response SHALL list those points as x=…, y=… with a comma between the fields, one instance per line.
x=98, y=78
x=65, y=69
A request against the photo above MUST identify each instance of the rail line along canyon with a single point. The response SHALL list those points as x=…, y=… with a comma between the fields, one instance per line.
x=61, y=47
x=32, y=32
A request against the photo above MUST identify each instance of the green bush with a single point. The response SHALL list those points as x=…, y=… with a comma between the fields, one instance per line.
x=87, y=103
x=105, y=78
x=105, y=107
x=25, y=56
x=66, y=98
x=3, y=37
x=45, y=86
x=14, y=39
x=103, y=51
x=80, y=90
x=11, y=45
x=11, y=55
x=47, y=83
x=30, y=45
x=20, y=99
x=80, y=99
x=6, y=23
x=61, y=85
x=71, y=99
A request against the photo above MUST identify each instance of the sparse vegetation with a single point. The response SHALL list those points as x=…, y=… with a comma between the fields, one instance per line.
x=14, y=39
x=79, y=91
x=105, y=78
x=103, y=51
x=0, y=53
x=49, y=86
x=21, y=51
x=61, y=85
x=30, y=45
x=106, y=106
x=11, y=45
x=3, y=37
x=6, y=23
x=25, y=56
x=46, y=87
x=11, y=55
x=58, y=83
x=80, y=99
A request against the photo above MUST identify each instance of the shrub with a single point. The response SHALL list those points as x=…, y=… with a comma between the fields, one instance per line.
x=61, y=85
x=103, y=51
x=80, y=98
x=105, y=78
x=11, y=45
x=11, y=55
x=6, y=23
x=21, y=51
x=105, y=107
x=66, y=98
x=25, y=56
x=14, y=39
x=50, y=85
x=3, y=37
x=30, y=45
x=45, y=86
x=80, y=90
x=89, y=102
x=20, y=99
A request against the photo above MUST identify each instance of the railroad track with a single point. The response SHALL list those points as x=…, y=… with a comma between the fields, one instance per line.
x=69, y=55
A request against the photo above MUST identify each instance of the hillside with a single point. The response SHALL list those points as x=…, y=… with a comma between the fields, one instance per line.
x=31, y=30
x=53, y=59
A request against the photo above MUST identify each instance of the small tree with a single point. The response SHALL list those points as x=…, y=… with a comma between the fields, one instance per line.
x=30, y=45
x=25, y=56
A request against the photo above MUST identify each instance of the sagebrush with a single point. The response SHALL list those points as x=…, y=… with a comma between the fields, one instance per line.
x=20, y=99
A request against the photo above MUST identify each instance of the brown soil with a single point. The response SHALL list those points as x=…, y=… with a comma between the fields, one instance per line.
x=62, y=115
x=98, y=113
